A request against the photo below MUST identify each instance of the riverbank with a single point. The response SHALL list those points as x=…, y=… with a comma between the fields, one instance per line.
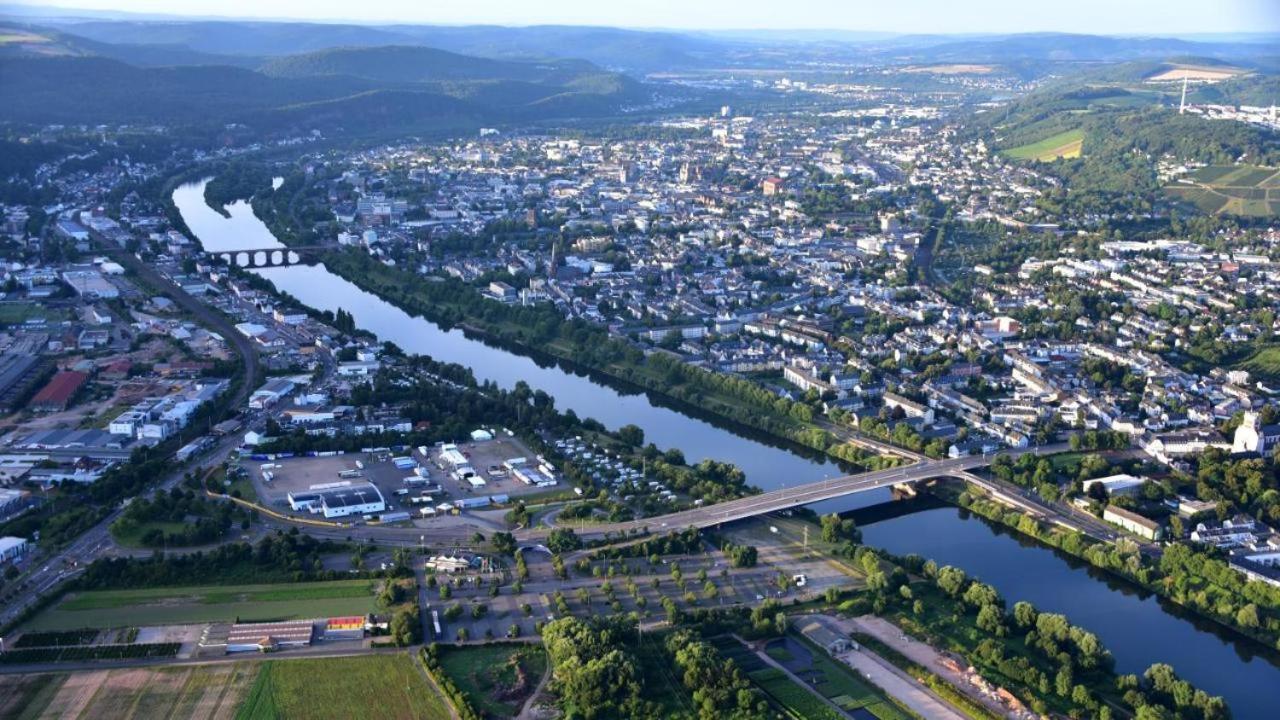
x=1127, y=564
x=542, y=330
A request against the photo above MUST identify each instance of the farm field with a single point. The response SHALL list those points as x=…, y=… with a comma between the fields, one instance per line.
x=1246, y=190
x=193, y=693
x=1062, y=145
x=496, y=679
x=378, y=686
x=183, y=605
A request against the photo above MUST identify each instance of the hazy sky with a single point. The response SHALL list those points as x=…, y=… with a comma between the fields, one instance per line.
x=1146, y=17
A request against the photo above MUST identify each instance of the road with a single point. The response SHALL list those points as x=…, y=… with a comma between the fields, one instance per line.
x=96, y=542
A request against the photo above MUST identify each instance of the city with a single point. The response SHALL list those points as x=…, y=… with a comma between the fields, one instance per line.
x=490, y=366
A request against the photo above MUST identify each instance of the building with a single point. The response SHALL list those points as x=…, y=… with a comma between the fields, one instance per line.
x=1235, y=532
x=1254, y=437
x=819, y=634
x=771, y=186
x=12, y=548
x=1133, y=522
x=19, y=374
x=271, y=393
x=90, y=284
x=910, y=408
x=1116, y=485
x=56, y=395
x=269, y=636
x=362, y=499
x=448, y=564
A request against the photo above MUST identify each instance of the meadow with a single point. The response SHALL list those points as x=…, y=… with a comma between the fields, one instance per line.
x=381, y=686
x=182, y=605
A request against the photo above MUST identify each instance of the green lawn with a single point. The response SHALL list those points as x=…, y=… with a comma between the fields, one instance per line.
x=1265, y=362
x=162, y=606
x=1062, y=145
x=496, y=679
x=379, y=686
x=15, y=313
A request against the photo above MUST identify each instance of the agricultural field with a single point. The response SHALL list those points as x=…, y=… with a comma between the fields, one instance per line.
x=1066, y=144
x=381, y=686
x=206, y=692
x=497, y=679
x=1245, y=190
x=186, y=605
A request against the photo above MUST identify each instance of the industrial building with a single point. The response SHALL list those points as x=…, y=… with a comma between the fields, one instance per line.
x=336, y=502
x=12, y=548
x=56, y=395
x=265, y=637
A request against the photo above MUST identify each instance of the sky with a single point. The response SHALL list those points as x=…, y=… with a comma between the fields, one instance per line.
x=1114, y=17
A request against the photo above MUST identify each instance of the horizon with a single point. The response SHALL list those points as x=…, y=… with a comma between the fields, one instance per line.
x=918, y=17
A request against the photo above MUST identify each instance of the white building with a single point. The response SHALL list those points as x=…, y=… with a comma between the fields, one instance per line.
x=12, y=548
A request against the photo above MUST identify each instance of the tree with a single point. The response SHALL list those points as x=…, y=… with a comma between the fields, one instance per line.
x=562, y=540
x=504, y=543
x=405, y=628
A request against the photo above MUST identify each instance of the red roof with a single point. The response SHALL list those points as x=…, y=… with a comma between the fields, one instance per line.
x=60, y=388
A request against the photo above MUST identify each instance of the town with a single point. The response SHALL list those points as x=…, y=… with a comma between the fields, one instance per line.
x=811, y=388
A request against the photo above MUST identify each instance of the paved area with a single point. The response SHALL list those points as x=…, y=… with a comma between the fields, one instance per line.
x=930, y=658
x=900, y=685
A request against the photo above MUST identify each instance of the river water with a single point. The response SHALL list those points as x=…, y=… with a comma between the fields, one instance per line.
x=1136, y=627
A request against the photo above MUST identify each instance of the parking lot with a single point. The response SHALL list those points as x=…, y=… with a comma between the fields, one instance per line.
x=423, y=484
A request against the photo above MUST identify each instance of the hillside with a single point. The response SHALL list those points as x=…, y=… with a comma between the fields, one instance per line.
x=404, y=64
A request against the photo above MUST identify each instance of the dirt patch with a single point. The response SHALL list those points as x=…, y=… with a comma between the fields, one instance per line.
x=1194, y=73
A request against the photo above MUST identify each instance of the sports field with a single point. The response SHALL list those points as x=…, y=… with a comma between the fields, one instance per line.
x=205, y=692
x=377, y=686
x=183, y=605
x=1063, y=145
x=1246, y=190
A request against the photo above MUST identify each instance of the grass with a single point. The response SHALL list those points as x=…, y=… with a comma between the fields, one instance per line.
x=197, y=693
x=381, y=686
x=16, y=313
x=1067, y=144
x=488, y=675
x=1265, y=362
x=172, y=606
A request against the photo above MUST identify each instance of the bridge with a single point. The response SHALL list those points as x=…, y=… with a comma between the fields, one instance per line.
x=250, y=258
x=751, y=506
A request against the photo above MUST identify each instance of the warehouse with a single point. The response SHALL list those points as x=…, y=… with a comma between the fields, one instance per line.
x=265, y=637
x=362, y=499
x=57, y=394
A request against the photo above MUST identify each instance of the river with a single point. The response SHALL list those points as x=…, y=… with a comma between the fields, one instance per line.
x=1135, y=626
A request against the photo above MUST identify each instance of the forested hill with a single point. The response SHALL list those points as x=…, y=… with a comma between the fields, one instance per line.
x=406, y=64
x=350, y=90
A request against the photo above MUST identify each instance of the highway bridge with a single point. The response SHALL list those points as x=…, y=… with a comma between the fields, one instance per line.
x=713, y=515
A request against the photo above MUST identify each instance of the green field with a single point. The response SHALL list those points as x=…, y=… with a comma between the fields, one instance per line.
x=488, y=675
x=798, y=701
x=379, y=686
x=1246, y=190
x=16, y=313
x=1065, y=144
x=175, y=606
x=1265, y=363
